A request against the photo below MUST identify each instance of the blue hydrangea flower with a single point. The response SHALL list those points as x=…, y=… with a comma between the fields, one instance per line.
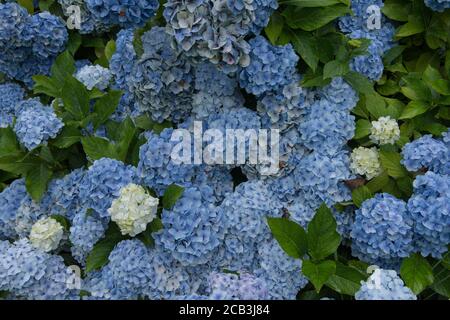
x=28, y=213
x=426, y=152
x=88, y=22
x=11, y=94
x=85, y=231
x=228, y=286
x=384, y=285
x=102, y=183
x=162, y=81
x=32, y=274
x=10, y=200
x=429, y=207
x=320, y=178
x=271, y=67
x=340, y=94
x=383, y=232
x=193, y=228
x=94, y=77
x=438, y=5
x=370, y=65
x=282, y=273
x=245, y=211
x=123, y=59
x=125, y=13
x=36, y=125
x=156, y=167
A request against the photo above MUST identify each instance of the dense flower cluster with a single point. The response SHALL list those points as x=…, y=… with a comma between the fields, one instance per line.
x=244, y=286
x=384, y=131
x=94, y=76
x=36, y=124
x=365, y=162
x=438, y=5
x=29, y=44
x=46, y=234
x=384, y=285
x=11, y=94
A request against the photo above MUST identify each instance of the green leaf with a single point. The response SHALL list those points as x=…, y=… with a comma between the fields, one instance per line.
x=146, y=236
x=36, y=181
x=323, y=239
x=318, y=273
x=275, y=27
x=46, y=85
x=416, y=89
x=99, y=256
x=441, y=86
x=8, y=142
x=313, y=3
x=377, y=183
x=306, y=46
x=97, y=148
x=144, y=122
x=105, y=106
x=396, y=9
x=45, y=5
x=171, y=195
x=359, y=82
x=359, y=195
x=362, y=128
x=290, y=236
x=390, y=161
x=74, y=42
x=63, y=67
x=126, y=134
x=62, y=220
x=75, y=98
x=414, y=25
x=441, y=283
x=417, y=273
x=413, y=109
x=68, y=136
x=376, y=105
x=18, y=163
x=27, y=4
x=430, y=74
x=335, y=68
x=110, y=48
x=346, y=279
x=310, y=19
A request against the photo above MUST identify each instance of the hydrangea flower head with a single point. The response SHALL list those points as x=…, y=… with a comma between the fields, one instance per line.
x=11, y=94
x=382, y=232
x=10, y=200
x=46, y=234
x=438, y=5
x=133, y=209
x=384, y=285
x=228, y=286
x=384, y=131
x=94, y=77
x=365, y=162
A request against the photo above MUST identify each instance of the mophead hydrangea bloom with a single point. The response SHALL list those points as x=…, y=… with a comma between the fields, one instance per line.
x=438, y=5
x=383, y=231
x=133, y=209
x=384, y=285
x=271, y=67
x=338, y=93
x=86, y=22
x=11, y=94
x=36, y=125
x=123, y=59
x=102, y=184
x=230, y=286
x=28, y=213
x=426, y=152
x=384, y=131
x=193, y=228
x=46, y=234
x=10, y=200
x=94, y=77
x=429, y=208
x=365, y=162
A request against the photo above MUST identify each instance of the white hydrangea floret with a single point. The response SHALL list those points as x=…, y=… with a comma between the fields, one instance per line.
x=46, y=234
x=384, y=131
x=365, y=161
x=94, y=76
x=133, y=209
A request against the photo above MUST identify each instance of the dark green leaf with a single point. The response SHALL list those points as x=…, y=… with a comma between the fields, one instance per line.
x=63, y=67
x=417, y=273
x=335, y=68
x=359, y=195
x=318, y=273
x=36, y=181
x=290, y=236
x=75, y=98
x=68, y=136
x=346, y=279
x=275, y=27
x=97, y=148
x=46, y=85
x=105, y=106
x=110, y=48
x=171, y=195
x=310, y=19
x=413, y=109
x=441, y=283
x=62, y=220
x=359, y=82
x=362, y=128
x=390, y=161
x=306, y=46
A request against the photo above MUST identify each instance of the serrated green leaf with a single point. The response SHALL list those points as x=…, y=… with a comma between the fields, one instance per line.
x=413, y=109
x=441, y=86
x=318, y=273
x=97, y=148
x=68, y=136
x=414, y=26
x=346, y=279
x=75, y=98
x=63, y=67
x=275, y=27
x=36, y=181
x=105, y=106
x=376, y=105
x=377, y=183
x=290, y=236
x=417, y=273
x=363, y=128
x=359, y=195
x=8, y=142
x=306, y=46
x=359, y=82
x=323, y=239
x=171, y=195
x=335, y=68
x=310, y=19
x=46, y=85
x=396, y=9
x=390, y=161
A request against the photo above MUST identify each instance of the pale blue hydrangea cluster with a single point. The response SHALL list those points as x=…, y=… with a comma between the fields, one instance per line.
x=356, y=27
x=94, y=77
x=271, y=67
x=382, y=233
x=29, y=43
x=123, y=59
x=11, y=94
x=193, y=228
x=427, y=153
x=429, y=207
x=32, y=274
x=243, y=286
x=102, y=183
x=10, y=199
x=37, y=124
x=216, y=31
x=384, y=284
x=438, y=5
x=28, y=213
